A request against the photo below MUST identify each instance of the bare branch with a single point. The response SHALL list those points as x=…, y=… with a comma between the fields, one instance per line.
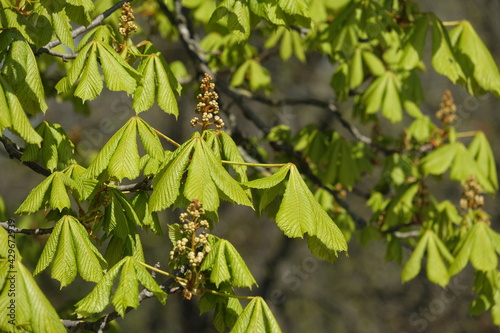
x=10, y=227
x=407, y=234
x=142, y=185
x=16, y=152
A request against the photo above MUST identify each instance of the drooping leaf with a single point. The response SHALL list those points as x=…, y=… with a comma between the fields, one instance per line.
x=300, y=213
x=481, y=151
x=70, y=250
x=21, y=68
x=436, y=270
x=12, y=115
x=226, y=265
x=475, y=59
x=140, y=202
x=118, y=74
x=256, y=317
x=443, y=57
x=126, y=295
x=413, y=47
x=120, y=155
x=51, y=192
x=480, y=246
x=226, y=309
x=56, y=146
x=157, y=81
x=31, y=305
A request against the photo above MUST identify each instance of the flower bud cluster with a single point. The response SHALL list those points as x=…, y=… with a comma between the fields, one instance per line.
x=194, y=244
x=471, y=194
x=127, y=25
x=207, y=107
x=447, y=109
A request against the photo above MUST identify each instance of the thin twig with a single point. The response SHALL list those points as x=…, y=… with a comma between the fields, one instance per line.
x=142, y=185
x=9, y=226
x=78, y=31
x=16, y=152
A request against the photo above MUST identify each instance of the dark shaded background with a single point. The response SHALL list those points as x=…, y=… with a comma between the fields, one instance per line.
x=361, y=293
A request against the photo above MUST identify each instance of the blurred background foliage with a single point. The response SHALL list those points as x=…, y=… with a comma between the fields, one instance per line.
x=359, y=293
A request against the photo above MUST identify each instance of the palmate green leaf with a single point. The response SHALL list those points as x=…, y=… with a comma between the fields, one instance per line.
x=56, y=146
x=413, y=47
x=226, y=314
x=481, y=151
x=75, y=71
x=480, y=246
x=76, y=172
x=126, y=295
x=256, y=317
x=440, y=160
x=140, y=203
x=12, y=115
x=90, y=85
x=157, y=81
x=167, y=182
x=226, y=265
x=31, y=304
x=70, y=250
x=120, y=155
x=300, y=213
x=199, y=184
x=257, y=75
x=118, y=74
x=120, y=218
x=462, y=166
x=226, y=309
x=391, y=103
x=125, y=161
x=460, y=161
x=401, y=208
x=475, y=60
x=229, y=187
x=436, y=250
x=21, y=68
x=50, y=192
x=420, y=129
x=443, y=56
